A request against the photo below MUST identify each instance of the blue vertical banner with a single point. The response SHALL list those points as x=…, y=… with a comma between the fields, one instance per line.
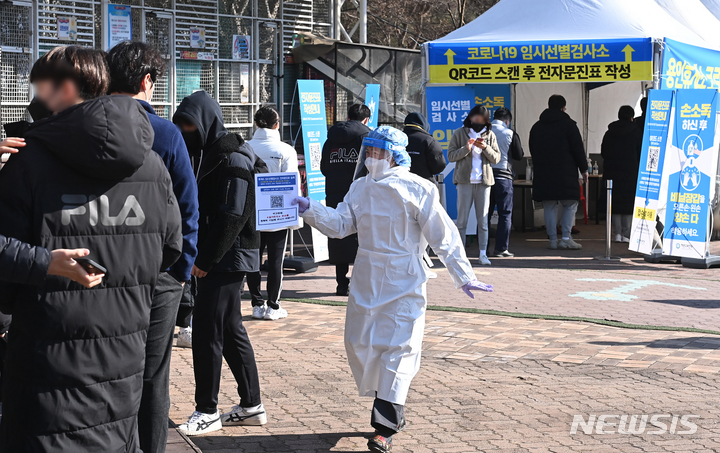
x=314, y=132
x=650, y=177
x=691, y=165
x=313, y=122
x=372, y=100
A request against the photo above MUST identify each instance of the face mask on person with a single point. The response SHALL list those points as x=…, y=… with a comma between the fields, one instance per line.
x=193, y=142
x=477, y=127
x=376, y=167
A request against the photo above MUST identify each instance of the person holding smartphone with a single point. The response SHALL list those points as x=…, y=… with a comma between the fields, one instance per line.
x=474, y=149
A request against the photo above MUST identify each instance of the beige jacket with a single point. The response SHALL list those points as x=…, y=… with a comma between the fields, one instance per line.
x=458, y=153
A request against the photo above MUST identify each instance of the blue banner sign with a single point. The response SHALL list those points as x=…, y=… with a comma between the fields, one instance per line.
x=372, y=100
x=542, y=61
x=652, y=159
x=686, y=66
x=314, y=132
x=691, y=164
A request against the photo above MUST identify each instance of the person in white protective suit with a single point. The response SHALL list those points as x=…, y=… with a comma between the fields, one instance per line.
x=395, y=215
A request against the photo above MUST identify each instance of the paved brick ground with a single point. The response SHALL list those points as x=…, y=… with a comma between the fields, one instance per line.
x=488, y=383
x=569, y=283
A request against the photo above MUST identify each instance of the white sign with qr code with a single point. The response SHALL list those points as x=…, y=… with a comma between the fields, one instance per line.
x=315, y=156
x=274, y=193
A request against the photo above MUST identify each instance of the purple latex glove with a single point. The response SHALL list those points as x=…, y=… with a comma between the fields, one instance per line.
x=476, y=286
x=303, y=204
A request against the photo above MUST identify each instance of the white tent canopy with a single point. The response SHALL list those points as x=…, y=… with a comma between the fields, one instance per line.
x=713, y=6
x=688, y=21
x=548, y=20
x=695, y=16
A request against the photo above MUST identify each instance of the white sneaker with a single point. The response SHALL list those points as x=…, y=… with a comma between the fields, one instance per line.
x=624, y=239
x=484, y=260
x=618, y=238
x=569, y=244
x=184, y=339
x=273, y=315
x=431, y=274
x=200, y=423
x=239, y=416
x=258, y=312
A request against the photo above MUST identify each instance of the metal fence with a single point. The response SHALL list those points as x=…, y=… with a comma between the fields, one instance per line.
x=28, y=29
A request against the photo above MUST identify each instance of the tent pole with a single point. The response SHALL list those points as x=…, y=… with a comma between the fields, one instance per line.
x=657, y=62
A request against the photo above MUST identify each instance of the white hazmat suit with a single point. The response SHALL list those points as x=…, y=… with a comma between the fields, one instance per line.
x=395, y=217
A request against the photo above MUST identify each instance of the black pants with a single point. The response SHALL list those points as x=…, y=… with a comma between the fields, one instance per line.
x=187, y=301
x=218, y=332
x=275, y=241
x=341, y=271
x=387, y=418
x=155, y=402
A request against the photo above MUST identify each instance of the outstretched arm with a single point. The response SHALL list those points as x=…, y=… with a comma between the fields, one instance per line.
x=444, y=238
x=334, y=223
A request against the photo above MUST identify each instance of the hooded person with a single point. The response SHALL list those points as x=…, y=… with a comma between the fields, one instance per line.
x=426, y=154
x=621, y=147
x=228, y=248
x=395, y=214
x=86, y=177
x=338, y=163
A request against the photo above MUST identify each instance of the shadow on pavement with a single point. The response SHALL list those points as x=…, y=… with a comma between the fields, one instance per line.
x=669, y=343
x=691, y=303
x=318, y=443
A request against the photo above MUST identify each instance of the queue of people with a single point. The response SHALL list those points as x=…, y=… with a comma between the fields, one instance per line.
x=111, y=223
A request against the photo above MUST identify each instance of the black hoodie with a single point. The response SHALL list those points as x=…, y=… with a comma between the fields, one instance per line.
x=426, y=154
x=339, y=158
x=227, y=239
x=557, y=153
x=74, y=369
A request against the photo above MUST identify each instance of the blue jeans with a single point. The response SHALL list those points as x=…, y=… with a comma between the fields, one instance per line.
x=567, y=217
x=501, y=195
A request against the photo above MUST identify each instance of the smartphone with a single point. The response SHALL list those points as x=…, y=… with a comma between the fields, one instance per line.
x=90, y=266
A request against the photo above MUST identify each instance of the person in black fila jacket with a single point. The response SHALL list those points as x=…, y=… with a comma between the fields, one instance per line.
x=87, y=178
x=338, y=164
x=228, y=248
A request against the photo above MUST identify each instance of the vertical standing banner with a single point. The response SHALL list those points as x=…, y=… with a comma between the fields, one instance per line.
x=691, y=166
x=650, y=177
x=372, y=100
x=314, y=132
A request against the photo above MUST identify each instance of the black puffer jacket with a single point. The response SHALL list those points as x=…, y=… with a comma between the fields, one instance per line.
x=426, y=154
x=620, y=150
x=22, y=263
x=339, y=158
x=227, y=239
x=557, y=153
x=75, y=359
x=339, y=161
